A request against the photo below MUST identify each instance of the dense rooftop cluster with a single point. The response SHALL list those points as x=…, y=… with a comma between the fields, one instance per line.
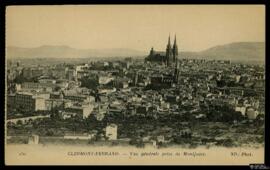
x=136, y=95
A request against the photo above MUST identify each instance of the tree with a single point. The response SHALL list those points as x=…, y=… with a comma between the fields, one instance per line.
x=228, y=143
x=19, y=122
x=89, y=83
x=57, y=88
x=19, y=79
x=221, y=83
x=55, y=115
x=50, y=132
x=231, y=116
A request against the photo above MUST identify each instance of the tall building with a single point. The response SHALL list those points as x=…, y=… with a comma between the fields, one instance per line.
x=28, y=101
x=168, y=57
x=169, y=53
x=175, y=50
x=176, y=70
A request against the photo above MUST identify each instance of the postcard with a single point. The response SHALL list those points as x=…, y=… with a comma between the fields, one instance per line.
x=135, y=85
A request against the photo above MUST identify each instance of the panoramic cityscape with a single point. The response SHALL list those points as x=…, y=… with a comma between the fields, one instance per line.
x=156, y=76
x=161, y=100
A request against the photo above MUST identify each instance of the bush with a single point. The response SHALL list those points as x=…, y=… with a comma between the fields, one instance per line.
x=228, y=143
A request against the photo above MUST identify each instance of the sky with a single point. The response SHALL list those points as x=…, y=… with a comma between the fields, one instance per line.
x=139, y=27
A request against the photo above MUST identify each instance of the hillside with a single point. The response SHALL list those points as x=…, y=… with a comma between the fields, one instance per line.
x=239, y=51
x=68, y=52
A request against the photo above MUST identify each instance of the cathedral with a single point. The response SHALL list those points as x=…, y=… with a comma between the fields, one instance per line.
x=169, y=57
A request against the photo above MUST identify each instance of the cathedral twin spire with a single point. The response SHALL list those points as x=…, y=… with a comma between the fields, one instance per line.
x=169, y=40
x=171, y=52
x=170, y=58
x=175, y=48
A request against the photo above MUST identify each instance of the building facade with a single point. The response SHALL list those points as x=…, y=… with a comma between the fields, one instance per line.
x=28, y=101
x=111, y=132
x=169, y=57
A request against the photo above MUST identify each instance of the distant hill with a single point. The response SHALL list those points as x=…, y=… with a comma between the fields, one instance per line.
x=239, y=51
x=68, y=52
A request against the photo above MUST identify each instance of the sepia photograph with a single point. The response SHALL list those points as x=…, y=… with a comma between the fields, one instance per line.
x=135, y=85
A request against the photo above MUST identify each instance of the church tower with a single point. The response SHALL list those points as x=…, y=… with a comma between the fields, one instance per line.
x=152, y=52
x=175, y=50
x=176, y=71
x=169, y=54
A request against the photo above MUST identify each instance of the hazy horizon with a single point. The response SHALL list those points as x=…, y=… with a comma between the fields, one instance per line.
x=147, y=51
x=138, y=27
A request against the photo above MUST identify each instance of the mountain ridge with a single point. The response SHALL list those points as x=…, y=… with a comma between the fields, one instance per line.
x=231, y=51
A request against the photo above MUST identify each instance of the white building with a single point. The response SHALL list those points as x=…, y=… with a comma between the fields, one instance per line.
x=18, y=87
x=105, y=79
x=251, y=113
x=34, y=139
x=136, y=99
x=106, y=90
x=40, y=104
x=111, y=132
x=83, y=111
x=164, y=105
x=47, y=81
x=38, y=87
x=160, y=139
x=87, y=110
x=241, y=109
